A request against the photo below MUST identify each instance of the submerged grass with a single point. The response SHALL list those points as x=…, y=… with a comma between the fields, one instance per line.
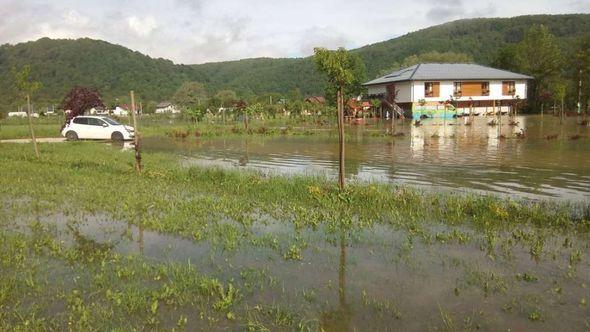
x=48, y=284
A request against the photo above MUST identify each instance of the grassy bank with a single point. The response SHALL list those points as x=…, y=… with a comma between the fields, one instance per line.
x=178, y=127
x=55, y=276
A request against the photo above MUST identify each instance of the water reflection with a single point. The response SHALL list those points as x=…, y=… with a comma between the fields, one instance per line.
x=339, y=319
x=440, y=154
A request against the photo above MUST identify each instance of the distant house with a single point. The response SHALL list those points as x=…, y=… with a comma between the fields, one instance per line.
x=121, y=110
x=316, y=100
x=99, y=110
x=432, y=89
x=17, y=114
x=166, y=107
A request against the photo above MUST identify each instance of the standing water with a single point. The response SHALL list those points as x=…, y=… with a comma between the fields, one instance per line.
x=535, y=158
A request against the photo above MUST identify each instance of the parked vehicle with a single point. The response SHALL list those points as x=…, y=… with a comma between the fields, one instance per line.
x=97, y=127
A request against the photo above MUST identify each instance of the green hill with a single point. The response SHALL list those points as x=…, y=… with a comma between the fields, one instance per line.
x=114, y=70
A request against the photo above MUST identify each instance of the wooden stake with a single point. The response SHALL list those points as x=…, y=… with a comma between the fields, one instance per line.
x=136, y=137
x=340, y=102
x=33, y=138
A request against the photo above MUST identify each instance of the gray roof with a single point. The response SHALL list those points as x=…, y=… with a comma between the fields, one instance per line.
x=448, y=71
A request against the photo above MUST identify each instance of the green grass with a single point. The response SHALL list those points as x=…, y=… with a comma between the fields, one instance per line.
x=48, y=284
x=165, y=125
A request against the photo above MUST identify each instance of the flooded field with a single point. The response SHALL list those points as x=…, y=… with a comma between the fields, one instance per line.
x=87, y=244
x=436, y=277
x=548, y=161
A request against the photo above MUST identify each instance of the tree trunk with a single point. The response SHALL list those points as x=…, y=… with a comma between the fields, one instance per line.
x=33, y=138
x=340, y=139
x=136, y=137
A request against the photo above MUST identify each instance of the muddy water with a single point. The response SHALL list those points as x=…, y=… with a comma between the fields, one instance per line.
x=552, y=161
x=378, y=278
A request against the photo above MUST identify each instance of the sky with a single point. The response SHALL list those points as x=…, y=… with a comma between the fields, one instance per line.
x=198, y=31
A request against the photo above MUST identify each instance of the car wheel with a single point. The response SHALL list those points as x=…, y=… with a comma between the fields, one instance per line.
x=117, y=136
x=71, y=136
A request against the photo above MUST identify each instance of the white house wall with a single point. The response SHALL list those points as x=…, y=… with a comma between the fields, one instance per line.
x=414, y=91
x=447, y=88
x=404, y=92
x=376, y=90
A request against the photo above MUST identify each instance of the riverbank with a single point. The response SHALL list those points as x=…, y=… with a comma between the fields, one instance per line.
x=96, y=246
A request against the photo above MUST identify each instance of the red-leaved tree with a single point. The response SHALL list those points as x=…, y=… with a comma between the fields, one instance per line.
x=80, y=99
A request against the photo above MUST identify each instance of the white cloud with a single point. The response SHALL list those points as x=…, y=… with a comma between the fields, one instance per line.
x=74, y=18
x=143, y=27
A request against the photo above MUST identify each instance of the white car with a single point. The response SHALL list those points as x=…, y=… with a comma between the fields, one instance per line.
x=97, y=127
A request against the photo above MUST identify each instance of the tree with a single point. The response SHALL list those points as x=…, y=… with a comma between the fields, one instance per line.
x=340, y=67
x=428, y=57
x=249, y=110
x=195, y=113
x=582, y=60
x=226, y=97
x=26, y=87
x=190, y=95
x=79, y=100
x=539, y=56
x=506, y=58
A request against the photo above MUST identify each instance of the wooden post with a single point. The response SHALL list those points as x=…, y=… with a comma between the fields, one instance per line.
x=33, y=138
x=562, y=114
x=500, y=120
x=393, y=111
x=136, y=137
x=340, y=139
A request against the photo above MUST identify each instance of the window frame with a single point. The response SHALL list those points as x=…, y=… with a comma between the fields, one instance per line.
x=457, y=92
x=485, y=88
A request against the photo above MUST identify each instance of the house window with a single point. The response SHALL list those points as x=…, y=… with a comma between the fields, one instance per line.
x=508, y=88
x=457, y=88
x=431, y=89
x=485, y=88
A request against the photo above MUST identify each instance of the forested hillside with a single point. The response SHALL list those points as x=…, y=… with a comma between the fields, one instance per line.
x=114, y=70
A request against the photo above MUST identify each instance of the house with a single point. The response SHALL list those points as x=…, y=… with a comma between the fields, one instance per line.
x=121, y=111
x=319, y=100
x=166, y=107
x=17, y=114
x=99, y=110
x=447, y=90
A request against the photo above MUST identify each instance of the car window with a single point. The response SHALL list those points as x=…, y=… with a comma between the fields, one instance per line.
x=83, y=121
x=111, y=121
x=95, y=122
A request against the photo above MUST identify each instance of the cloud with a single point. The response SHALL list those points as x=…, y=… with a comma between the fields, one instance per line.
x=143, y=27
x=74, y=18
x=327, y=37
x=196, y=31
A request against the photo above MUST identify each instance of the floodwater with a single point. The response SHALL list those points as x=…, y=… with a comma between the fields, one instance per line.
x=378, y=278
x=551, y=161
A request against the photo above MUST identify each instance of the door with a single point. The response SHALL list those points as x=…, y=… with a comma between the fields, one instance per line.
x=82, y=129
x=391, y=93
x=98, y=129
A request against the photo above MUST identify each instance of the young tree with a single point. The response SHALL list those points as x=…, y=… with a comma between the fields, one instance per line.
x=250, y=110
x=190, y=95
x=539, y=56
x=79, y=100
x=340, y=67
x=26, y=87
